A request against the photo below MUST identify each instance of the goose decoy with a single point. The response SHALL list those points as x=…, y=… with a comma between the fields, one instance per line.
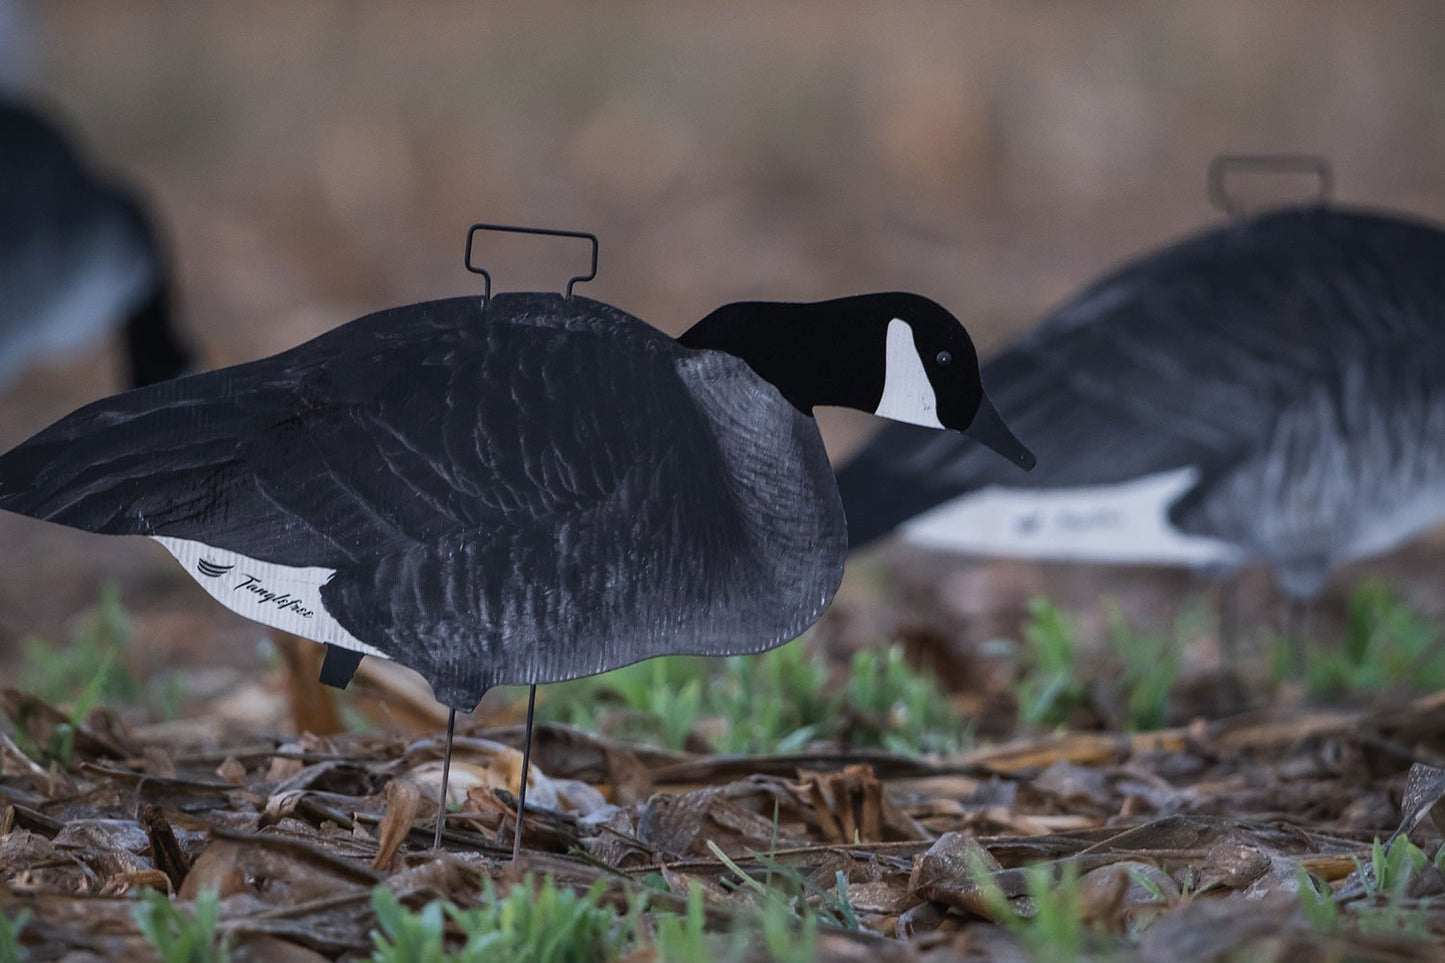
x=518, y=489
x=78, y=257
x=1272, y=390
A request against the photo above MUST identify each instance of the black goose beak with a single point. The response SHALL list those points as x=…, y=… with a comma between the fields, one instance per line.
x=989, y=430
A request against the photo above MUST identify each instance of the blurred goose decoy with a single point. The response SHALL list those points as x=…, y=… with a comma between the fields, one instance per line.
x=78, y=257
x=1272, y=390
x=521, y=489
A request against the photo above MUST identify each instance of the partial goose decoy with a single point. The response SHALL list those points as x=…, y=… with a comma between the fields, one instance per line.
x=1272, y=390
x=78, y=258
x=518, y=490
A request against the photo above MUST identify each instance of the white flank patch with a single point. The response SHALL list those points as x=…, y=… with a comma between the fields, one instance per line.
x=907, y=393
x=281, y=596
x=1104, y=523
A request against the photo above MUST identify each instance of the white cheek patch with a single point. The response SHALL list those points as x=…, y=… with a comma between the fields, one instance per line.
x=1125, y=523
x=907, y=393
x=282, y=596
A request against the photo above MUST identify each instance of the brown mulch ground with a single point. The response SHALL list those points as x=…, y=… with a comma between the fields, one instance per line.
x=1189, y=841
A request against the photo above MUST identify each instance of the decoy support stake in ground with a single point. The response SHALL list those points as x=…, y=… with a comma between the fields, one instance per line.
x=532, y=690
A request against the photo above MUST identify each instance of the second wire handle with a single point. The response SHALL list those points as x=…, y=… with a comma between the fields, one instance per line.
x=1225, y=164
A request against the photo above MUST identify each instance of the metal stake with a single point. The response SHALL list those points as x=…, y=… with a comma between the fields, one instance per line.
x=446, y=774
x=526, y=766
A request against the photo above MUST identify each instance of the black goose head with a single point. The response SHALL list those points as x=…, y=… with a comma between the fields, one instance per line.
x=899, y=356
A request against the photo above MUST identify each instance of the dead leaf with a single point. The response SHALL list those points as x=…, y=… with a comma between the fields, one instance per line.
x=1424, y=787
x=122, y=883
x=403, y=804
x=232, y=771
x=945, y=874
x=165, y=851
x=1214, y=929
x=277, y=869
x=848, y=804
x=682, y=824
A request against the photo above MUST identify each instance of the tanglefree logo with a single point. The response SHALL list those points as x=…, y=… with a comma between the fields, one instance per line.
x=284, y=601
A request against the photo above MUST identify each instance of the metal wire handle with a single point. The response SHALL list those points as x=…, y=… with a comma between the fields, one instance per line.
x=1222, y=166
x=546, y=232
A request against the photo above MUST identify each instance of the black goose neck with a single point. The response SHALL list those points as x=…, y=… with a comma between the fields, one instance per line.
x=154, y=350
x=812, y=353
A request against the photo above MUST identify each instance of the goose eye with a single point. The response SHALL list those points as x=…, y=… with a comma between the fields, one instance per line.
x=944, y=359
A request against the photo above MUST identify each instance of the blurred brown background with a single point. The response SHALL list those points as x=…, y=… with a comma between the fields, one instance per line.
x=315, y=161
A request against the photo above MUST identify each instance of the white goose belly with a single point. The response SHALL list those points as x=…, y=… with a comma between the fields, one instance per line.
x=1124, y=523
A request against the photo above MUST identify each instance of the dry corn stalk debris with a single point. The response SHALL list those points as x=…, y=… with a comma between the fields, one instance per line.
x=1194, y=837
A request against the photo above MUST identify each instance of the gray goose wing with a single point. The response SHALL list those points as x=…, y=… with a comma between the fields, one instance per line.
x=526, y=493
x=1184, y=358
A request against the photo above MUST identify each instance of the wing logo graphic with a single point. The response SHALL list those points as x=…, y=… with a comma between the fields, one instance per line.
x=210, y=569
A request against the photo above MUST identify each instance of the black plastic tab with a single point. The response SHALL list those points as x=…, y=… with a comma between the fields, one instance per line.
x=339, y=666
